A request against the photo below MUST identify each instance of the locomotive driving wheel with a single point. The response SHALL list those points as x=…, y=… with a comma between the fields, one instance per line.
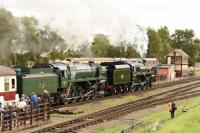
x=66, y=101
x=115, y=90
x=127, y=88
x=57, y=99
x=87, y=98
x=148, y=85
x=94, y=97
x=81, y=93
x=74, y=95
x=102, y=96
x=145, y=86
x=82, y=98
x=121, y=90
x=73, y=100
x=133, y=88
x=139, y=87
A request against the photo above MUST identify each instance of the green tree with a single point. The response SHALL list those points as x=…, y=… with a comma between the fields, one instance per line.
x=184, y=39
x=57, y=55
x=197, y=44
x=100, y=45
x=154, y=44
x=72, y=53
x=131, y=52
x=8, y=29
x=165, y=41
x=7, y=25
x=21, y=37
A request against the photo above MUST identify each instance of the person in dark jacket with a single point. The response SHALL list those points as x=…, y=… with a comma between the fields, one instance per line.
x=34, y=99
x=46, y=97
x=172, y=109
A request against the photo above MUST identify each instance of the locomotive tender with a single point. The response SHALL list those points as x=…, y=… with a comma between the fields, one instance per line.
x=83, y=81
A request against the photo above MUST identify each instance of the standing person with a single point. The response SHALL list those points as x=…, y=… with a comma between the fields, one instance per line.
x=1, y=107
x=34, y=99
x=172, y=108
x=46, y=97
x=25, y=99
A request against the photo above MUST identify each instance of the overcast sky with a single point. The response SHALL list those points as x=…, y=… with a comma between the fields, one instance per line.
x=83, y=18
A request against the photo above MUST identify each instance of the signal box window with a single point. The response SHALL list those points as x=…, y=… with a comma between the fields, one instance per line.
x=13, y=83
x=6, y=84
x=173, y=60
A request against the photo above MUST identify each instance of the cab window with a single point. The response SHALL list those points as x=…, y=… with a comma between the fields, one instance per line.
x=63, y=74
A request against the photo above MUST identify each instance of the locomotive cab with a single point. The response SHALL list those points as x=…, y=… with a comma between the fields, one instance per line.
x=118, y=76
x=141, y=75
x=61, y=69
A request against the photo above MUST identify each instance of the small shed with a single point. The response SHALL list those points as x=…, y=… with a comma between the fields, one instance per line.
x=179, y=59
x=165, y=72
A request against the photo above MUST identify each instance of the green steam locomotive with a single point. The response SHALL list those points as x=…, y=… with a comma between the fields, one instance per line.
x=69, y=83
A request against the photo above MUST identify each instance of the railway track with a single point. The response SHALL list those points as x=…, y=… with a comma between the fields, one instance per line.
x=123, y=109
x=155, y=86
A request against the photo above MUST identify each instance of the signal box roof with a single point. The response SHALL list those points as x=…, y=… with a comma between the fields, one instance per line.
x=178, y=52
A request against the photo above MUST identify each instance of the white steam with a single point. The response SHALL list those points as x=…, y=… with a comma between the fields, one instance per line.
x=78, y=21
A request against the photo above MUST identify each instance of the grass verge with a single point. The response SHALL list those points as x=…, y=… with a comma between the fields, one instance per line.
x=111, y=129
x=184, y=122
x=98, y=105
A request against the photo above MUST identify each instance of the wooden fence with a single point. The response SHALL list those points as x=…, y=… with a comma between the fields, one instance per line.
x=14, y=118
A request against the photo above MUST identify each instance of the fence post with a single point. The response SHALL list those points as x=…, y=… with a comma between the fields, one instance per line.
x=49, y=109
x=1, y=119
x=37, y=114
x=3, y=123
x=17, y=117
x=44, y=112
x=11, y=116
x=25, y=116
x=31, y=120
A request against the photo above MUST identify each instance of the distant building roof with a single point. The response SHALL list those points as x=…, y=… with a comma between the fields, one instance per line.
x=165, y=65
x=178, y=52
x=148, y=59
